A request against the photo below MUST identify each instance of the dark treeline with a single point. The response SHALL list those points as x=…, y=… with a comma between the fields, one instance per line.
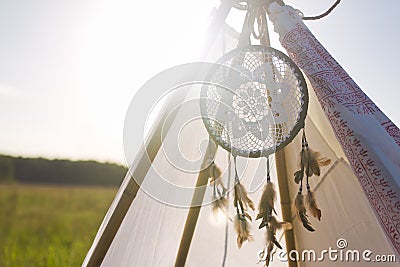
x=40, y=170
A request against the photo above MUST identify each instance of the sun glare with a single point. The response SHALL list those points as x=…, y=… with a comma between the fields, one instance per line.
x=218, y=219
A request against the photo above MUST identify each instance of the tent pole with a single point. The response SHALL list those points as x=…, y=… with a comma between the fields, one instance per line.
x=143, y=162
x=193, y=215
x=280, y=162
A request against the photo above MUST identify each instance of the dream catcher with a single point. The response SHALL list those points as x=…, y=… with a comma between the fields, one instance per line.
x=256, y=104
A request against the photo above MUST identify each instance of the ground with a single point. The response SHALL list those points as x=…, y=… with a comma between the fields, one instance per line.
x=49, y=225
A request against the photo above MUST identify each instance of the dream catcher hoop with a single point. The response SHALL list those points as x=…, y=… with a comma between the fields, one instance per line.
x=264, y=107
x=256, y=104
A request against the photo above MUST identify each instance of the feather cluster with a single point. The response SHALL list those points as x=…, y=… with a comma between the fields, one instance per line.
x=314, y=161
x=242, y=229
x=242, y=202
x=220, y=202
x=266, y=204
x=269, y=221
x=215, y=174
x=298, y=176
x=311, y=162
x=270, y=235
x=220, y=205
x=277, y=225
x=273, y=226
x=242, y=197
x=302, y=213
x=312, y=205
x=270, y=247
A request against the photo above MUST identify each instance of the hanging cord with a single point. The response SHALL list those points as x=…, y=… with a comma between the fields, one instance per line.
x=262, y=26
x=326, y=13
x=211, y=155
x=304, y=149
x=257, y=15
x=305, y=145
x=268, y=170
x=239, y=203
x=256, y=12
x=227, y=222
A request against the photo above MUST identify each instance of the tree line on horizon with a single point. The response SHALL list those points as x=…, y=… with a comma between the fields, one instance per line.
x=60, y=171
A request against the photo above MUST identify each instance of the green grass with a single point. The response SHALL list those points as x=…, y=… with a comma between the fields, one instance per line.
x=49, y=225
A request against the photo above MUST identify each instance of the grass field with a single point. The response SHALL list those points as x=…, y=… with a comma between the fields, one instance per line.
x=49, y=226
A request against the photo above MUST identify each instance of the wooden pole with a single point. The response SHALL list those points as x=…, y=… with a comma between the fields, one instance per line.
x=193, y=215
x=286, y=205
x=217, y=23
x=142, y=162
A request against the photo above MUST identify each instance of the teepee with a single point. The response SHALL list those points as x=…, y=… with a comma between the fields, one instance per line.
x=167, y=222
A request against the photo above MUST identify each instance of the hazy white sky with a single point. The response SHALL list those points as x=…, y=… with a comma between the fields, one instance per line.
x=69, y=68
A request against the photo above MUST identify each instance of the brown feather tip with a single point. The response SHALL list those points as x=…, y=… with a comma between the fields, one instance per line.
x=242, y=229
x=270, y=235
x=315, y=162
x=244, y=196
x=298, y=176
x=271, y=238
x=277, y=225
x=306, y=223
x=324, y=161
x=301, y=212
x=220, y=205
x=266, y=204
x=214, y=171
x=268, y=198
x=269, y=251
x=312, y=205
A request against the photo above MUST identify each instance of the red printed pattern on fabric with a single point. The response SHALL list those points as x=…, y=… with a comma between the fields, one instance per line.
x=336, y=90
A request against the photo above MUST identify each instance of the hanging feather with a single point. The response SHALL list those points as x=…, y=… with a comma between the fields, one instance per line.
x=301, y=212
x=247, y=216
x=303, y=158
x=242, y=229
x=311, y=159
x=298, y=176
x=270, y=247
x=215, y=174
x=276, y=225
x=270, y=243
x=242, y=197
x=312, y=205
x=324, y=161
x=266, y=204
x=220, y=205
x=314, y=161
x=214, y=171
x=270, y=235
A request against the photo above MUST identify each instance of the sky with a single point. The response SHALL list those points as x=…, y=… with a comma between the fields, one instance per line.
x=69, y=68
